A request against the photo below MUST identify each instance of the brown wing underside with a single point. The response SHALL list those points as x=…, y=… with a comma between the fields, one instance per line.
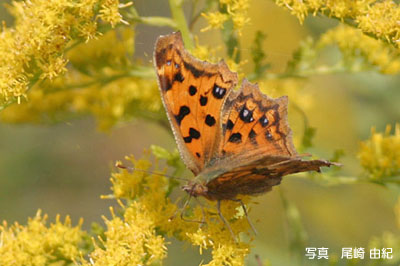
x=259, y=176
x=193, y=93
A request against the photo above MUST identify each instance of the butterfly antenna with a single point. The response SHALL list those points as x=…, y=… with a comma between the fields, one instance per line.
x=247, y=216
x=133, y=169
x=224, y=220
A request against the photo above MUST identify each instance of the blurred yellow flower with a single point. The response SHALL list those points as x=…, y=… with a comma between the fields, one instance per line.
x=33, y=49
x=353, y=43
x=380, y=155
x=101, y=85
x=215, y=20
x=234, y=10
x=379, y=18
x=39, y=244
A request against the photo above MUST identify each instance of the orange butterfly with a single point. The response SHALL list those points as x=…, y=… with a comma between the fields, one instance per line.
x=235, y=142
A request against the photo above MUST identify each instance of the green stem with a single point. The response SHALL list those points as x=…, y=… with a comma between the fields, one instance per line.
x=158, y=21
x=320, y=70
x=179, y=17
x=297, y=234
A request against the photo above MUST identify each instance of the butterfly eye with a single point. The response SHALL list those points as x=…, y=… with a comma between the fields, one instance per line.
x=168, y=62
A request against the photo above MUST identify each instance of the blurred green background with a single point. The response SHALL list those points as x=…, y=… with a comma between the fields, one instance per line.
x=64, y=168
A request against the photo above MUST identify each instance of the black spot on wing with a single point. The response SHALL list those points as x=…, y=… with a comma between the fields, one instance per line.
x=192, y=90
x=218, y=92
x=246, y=115
x=235, y=138
x=198, y=155
x=229, y=124
x=203, y=100
x=183, y=111
x=268, y=135
x=263, y=121
x=252, y=137
x=178, y=77
x=194, y=133
x=210, y=120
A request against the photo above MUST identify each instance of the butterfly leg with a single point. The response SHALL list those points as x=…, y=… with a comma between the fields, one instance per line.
x=203, y=220
x=224, y=220
x=182, y=210
x=247, y=216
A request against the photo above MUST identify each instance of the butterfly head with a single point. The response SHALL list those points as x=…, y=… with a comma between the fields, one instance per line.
x=195, y=189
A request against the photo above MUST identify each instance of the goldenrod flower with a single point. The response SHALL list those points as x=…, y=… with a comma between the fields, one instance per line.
x=33, y=49
x=379, y=18
x=103, y=87
x=235, y=10
x=39, y=244
x=149, y=194
x=354, y=44
x=380, y=155
x=130, y=240
x=215, y=20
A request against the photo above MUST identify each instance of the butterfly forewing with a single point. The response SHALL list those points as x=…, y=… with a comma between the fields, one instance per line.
x=193, y=93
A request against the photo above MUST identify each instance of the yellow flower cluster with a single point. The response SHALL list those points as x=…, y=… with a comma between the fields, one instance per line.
x=235, y=10
x=33, y=49
x=39, y=244
x=382, y=20
x=129, y=240
x=102, y=84
x=379, y=18
x=215, y=20
x=353, y=43
x=111, y=103
x=380, y=155
x=209, y=54
x=149, y=194
x=109, y=12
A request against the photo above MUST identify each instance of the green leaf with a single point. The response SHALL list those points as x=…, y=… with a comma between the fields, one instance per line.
x=309, y=133
x=258, y=55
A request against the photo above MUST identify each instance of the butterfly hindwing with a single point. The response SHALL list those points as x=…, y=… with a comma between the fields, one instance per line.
x=257, y=174
x=253, y=121
x=193, y=93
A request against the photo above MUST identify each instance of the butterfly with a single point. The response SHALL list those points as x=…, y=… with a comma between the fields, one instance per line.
x=236, y=142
